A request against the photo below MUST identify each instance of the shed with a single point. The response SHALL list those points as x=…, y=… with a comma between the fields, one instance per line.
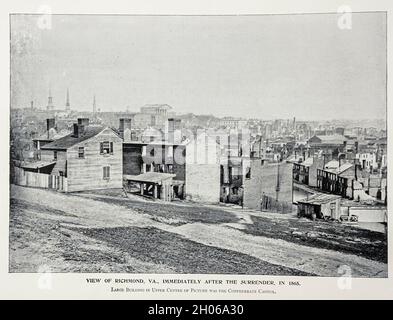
x=157, y=184
x=320, y=206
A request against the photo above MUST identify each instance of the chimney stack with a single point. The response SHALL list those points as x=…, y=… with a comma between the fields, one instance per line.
x=83, y=121
x=79, y=127
x=50, y=124
x=125, y=127
x=173, y=125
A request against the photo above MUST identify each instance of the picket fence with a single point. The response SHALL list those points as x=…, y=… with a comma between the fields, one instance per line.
x=39, y=180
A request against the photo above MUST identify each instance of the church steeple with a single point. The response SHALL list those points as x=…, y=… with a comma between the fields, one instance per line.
x=68, y=100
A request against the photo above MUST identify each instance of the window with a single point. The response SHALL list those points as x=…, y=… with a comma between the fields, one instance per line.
x=54, y=155
x=106, y=172
x=81, y=152
x=106, y=147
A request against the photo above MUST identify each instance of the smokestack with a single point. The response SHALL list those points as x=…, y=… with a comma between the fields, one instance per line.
x=50, y=123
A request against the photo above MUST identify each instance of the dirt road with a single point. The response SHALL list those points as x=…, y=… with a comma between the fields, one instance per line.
x=100, y=233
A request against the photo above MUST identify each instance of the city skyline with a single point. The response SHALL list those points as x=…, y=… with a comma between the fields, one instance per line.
x=130, y=70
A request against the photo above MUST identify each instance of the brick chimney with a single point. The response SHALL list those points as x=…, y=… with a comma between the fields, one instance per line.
x=124, y=124
x=173, y=125
x=79, y=127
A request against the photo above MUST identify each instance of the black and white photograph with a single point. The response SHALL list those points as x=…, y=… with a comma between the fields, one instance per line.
x=239, y=144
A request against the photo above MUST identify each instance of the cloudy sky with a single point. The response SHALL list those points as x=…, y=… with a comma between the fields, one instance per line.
x=273, y=66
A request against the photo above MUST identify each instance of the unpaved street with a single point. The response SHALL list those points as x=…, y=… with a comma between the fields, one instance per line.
x=97, y=232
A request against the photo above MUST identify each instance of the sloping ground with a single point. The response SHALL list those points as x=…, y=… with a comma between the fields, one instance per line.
x=182, y=255
x=328, y=235
x=319, y=234
x=179, y=214
x=40, y=242
x=322, y=262
x=91, y=226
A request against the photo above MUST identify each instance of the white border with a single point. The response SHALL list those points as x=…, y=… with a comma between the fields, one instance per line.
x=74, y=286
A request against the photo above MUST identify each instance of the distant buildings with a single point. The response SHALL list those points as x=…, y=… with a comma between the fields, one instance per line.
x=233, y=123
x=262, y=165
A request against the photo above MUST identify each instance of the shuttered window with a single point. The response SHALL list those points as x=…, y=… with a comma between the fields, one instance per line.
x=106, y=172
x=106, y=147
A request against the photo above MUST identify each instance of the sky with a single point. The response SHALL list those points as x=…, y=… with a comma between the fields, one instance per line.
x=267, y=66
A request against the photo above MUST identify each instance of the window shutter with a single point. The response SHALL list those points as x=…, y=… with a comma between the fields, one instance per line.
x=111, y=147
x=101, y=147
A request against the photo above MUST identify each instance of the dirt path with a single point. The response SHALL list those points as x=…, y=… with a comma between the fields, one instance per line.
x=90, y=213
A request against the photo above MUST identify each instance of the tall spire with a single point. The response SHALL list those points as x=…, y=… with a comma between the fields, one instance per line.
x=94, y=104
x=68, y=100
x=50, y=100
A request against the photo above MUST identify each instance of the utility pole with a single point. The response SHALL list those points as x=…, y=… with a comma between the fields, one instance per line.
x=278, y=181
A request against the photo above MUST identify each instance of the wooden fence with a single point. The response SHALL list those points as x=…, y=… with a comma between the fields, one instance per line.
x=39, y=180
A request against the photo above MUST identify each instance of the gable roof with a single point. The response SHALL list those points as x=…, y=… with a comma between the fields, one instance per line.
x=70, y=140
x=56, y=135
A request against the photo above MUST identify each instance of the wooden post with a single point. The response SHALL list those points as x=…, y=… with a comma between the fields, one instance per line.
x=155, y=191
x=142, y=187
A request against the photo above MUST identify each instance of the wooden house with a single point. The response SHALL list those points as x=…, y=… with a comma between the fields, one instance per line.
x=90, y=157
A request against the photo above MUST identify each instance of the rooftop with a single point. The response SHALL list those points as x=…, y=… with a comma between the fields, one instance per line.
x=319, y=198
x=334, y=166
x=70, y=140
x=150, y=177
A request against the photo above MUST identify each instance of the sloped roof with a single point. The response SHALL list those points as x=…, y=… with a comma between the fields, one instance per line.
x=71, y=140
x=150, y=177
x=333, y=166
x=334, y=138
x=53, y=136
x=38, y=164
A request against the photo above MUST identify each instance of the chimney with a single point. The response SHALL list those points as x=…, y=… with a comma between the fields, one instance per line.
x=83, y=121
x=124, y=123
x=79, y=127
x=173, y=124
x=125, y=128
x=76, y=130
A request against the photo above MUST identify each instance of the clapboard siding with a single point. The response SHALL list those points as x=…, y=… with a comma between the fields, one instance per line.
x=87, y=173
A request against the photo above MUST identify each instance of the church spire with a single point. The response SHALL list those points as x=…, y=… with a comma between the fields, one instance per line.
x=68, y=100
x=94, y=105
x=50, y=100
